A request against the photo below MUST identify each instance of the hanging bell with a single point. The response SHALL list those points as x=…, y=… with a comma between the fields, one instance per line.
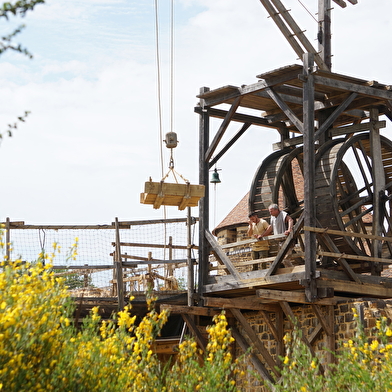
x=215, y=177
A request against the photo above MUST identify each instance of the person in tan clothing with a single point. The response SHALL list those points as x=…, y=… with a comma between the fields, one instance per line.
x=256, y=230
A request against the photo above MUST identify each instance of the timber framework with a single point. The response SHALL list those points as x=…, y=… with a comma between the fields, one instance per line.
x=341, y=245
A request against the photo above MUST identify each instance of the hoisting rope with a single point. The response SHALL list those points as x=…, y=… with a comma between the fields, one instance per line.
x=158, y=83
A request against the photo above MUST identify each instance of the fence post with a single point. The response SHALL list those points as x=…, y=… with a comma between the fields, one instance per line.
x=8, y=239
x=119, y=271
x=189, y=257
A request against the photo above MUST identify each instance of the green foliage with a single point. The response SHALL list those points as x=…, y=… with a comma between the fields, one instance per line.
x=18, y=8
x=41, y=350
x=362, y=364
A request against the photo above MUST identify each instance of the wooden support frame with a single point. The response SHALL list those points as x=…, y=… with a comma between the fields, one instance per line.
x=256, y=343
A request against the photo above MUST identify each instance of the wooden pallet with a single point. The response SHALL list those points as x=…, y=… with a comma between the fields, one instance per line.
x=180, y=195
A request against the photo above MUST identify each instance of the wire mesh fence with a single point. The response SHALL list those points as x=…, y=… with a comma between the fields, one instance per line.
x=154, y=253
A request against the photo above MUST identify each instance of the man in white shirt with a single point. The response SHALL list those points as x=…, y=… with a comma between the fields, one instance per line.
x=280, y=223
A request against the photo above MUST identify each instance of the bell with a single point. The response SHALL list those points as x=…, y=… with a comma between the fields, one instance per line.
x=215, y=177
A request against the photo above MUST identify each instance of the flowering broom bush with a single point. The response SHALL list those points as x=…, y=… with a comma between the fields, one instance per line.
x=41, y=350
x=362, y=364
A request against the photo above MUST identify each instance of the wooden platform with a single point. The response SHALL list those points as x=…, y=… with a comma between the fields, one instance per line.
x=180, y=195
x=330, y=283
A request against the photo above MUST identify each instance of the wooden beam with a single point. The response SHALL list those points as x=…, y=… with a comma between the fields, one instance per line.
x=339, y=255
x=222, y=129
x=259, y=366
x=356, y=88
x=232, y=284
x=194, y=310
x=299, y=34
x=283, y=28
x=285, y=247
x=293, y=320
x=309, y=213
x=217, y=251
x=257, y=344
x=336, y=113
x=363, y=290
x=195, y=331
x=250, y=302
x=347, y=233
x=292, y=296
x=271, y=326
x=341, y=3
x=286, y=109
x=327, y=241
x=238, y=117
x=315, y=334
x=229, y=144
x=322, y=319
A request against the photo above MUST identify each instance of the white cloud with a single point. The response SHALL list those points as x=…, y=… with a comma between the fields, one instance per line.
x=93, y=138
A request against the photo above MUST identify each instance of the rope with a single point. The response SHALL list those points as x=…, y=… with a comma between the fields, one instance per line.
x=299, y=1
x=172, y=67
x=158, y=84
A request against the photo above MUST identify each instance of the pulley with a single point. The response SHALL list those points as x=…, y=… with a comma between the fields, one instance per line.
x=171, y=140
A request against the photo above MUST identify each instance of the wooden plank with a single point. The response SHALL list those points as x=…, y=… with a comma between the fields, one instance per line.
x=283, y=28
x=195, y=310
x=354, y=257
x=299, y=33
x=309, y=213
x=239, y=117
x=231, y=284
x=285, y=108
x=251, y=241
x=228, y=145
x=322, y=319
x=327, y=241
x=166, y=346
x=332, y=117
x=292, y=296
x=370, y=290
x=222, y=129
x=341, y=3
x=347, y=233
x=195, y=331
x=249, y=302
x=255, y=340
x=217, y=251
x=348, y=86
x=163, y=246
x=285, y=247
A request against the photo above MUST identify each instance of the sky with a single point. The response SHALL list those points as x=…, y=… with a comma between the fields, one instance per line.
x=97, y=123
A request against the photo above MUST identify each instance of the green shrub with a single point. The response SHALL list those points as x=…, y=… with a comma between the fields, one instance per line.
x=362, y=364
x=41, y=350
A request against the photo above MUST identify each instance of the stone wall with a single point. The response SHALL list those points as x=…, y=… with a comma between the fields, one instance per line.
x=369, y=310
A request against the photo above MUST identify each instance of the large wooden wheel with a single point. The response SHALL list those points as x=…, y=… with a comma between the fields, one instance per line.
x=264, y=183
x=343, y=189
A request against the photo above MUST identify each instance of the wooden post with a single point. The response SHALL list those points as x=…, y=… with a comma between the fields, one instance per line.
x=189, y=258
x=118, y=267
x=324, y=33
x=309, y=178
x=204, y=215
x=8, y=239
x=378, y=188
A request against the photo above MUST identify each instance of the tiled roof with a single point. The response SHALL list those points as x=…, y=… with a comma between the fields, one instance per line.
x=237, y=216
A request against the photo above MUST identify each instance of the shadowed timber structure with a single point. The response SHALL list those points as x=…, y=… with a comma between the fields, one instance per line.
x=330, y=143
